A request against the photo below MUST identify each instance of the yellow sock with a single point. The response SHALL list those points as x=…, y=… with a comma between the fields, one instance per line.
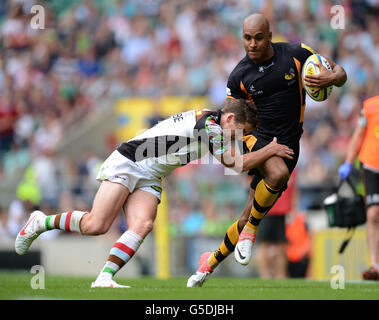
x=250, y=228
x=226, y=248
x=264, y=199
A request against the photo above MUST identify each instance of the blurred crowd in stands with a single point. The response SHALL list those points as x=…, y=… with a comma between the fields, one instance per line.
x=51, y=78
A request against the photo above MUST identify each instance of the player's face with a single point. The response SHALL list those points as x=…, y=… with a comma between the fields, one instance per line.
x=231, y=127
x=256, y=41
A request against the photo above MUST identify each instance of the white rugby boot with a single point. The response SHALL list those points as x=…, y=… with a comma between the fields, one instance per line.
x=202, y=273
x=106, y=282
x=29, y=232
x=244, y=248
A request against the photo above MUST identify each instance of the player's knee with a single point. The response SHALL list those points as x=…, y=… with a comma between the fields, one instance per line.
x=277, y=177
x=147, y=226
x=94, y=228
x=141, y=227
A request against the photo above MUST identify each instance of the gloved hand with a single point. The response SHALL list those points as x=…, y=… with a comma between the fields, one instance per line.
x=344, y=170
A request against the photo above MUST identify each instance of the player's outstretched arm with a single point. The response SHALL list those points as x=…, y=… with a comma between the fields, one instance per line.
x=256, y=158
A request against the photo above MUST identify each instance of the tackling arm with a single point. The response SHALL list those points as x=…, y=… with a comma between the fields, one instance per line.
x=233, y=159
x=256, y=158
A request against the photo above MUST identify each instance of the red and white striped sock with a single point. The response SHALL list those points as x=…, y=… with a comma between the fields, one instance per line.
x=122, y=251
x=67, y=221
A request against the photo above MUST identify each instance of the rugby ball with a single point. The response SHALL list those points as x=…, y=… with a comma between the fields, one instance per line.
x=310, y=68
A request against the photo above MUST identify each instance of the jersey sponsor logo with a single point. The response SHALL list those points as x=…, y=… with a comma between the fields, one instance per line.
x=228, y=91
x=177, y=117
x=290, y=75
x=255, y=92
x=263, y=68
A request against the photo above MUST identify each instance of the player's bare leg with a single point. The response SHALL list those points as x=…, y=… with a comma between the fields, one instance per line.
x=268, y=190
x=280, y=261
x=264, y=266
x=107, y=204
x=272, y=260
x=140, y=210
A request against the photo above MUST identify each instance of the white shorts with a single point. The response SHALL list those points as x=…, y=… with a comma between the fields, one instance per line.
x=119, y=169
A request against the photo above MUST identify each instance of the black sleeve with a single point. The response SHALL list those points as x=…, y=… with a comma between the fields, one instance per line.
x=233, y=89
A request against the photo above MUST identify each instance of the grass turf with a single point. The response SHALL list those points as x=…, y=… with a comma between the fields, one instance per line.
x=17, y=285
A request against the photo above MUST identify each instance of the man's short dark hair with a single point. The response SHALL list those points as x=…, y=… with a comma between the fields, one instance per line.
x=244, y=110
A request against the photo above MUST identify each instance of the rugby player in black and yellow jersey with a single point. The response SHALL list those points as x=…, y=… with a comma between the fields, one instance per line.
x=269, y=76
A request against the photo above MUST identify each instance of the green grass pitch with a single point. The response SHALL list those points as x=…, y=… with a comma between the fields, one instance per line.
x=17, y=285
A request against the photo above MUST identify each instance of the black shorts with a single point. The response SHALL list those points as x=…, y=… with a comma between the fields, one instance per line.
x=371, y=182
x=272, y=229
x=291, y=163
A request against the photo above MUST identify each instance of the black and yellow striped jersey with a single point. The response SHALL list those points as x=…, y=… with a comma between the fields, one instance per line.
x=276, y=89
